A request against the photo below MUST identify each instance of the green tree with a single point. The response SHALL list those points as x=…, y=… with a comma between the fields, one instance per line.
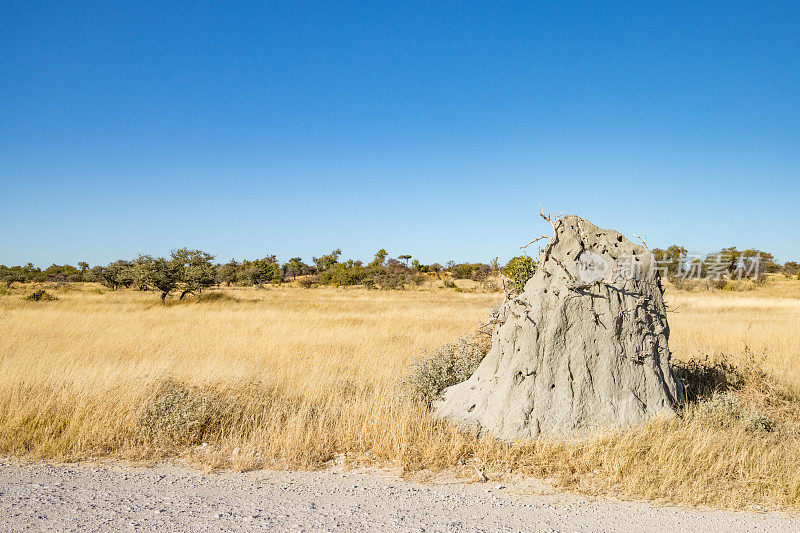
x=327, y=261
x=11, y=275
x=115, y=275
x=229, y=272
x=295, y=267
x=671, y=259
x=380, y=258
x=159, y=273
x=259, y=271
x=195, y=270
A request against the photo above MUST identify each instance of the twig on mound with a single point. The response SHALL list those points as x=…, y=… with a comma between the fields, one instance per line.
x=509, y=293
x=567, y=272
x=535, y=240
x=643, y=240
x=548, y=218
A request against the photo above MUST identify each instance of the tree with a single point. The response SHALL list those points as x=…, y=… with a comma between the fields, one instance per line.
x=229, y=272
x=195, y=269
x=60, y=273
x=159, y=273
x=791, y=268
x=380, y=257
x=115, y=275
x=295, y=267
x=327, y=261
x=266, y=270
x=670, y=260
x=11, y=275
x=729, y=259
x=347, y=273
x=404, y=258
x=466, y=270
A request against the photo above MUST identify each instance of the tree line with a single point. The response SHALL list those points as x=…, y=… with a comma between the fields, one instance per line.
x=676, y=261
x=187, y=271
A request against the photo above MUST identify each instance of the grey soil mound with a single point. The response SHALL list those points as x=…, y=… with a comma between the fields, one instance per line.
x=583, y=347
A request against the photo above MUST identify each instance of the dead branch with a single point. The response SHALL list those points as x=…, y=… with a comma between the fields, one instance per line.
x=534, y=240
x=547, y=218
x=643, y=240
x=509, y=294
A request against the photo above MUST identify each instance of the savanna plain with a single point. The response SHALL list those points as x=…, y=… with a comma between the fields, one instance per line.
x=285, y=376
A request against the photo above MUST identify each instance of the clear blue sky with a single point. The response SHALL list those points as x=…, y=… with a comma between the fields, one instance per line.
x=433, y=129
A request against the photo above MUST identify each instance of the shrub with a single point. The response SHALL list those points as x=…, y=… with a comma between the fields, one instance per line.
x=464, y=270
x=481, y=273
x=308, y=281
x=725, y=410
x=450, y=364
x=180, y=415
x=40, y=295
x=341, y=274
x=519, y=270
x=209, y=297
x=703, y=379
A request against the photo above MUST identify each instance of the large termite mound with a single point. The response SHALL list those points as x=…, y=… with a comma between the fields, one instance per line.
x=582, y=347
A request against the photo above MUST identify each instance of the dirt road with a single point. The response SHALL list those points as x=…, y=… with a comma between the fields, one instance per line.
x=41, y=497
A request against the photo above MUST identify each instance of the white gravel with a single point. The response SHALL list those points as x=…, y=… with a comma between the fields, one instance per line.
x=85, y=497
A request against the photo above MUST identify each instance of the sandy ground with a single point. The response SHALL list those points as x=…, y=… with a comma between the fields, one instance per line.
x=84, y=497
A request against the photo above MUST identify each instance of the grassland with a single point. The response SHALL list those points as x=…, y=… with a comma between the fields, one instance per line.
x=295, y=377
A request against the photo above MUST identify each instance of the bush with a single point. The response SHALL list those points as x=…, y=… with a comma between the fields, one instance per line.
x=450, y=364
x=180, y=415
x=209, y=297
x=710, y=284
x=465, y=270
x=519, y=270
x=40, y=295
x=726, y=410
x=308, y=281
x=703, y=379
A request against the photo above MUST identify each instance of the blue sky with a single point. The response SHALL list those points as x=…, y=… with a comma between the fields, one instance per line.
x=247, y=129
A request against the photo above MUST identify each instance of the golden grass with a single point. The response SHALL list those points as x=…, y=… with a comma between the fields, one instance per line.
x=295, y=377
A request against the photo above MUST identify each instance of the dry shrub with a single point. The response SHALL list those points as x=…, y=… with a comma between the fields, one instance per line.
x=447, y=366
x=40, y=295
x=211, y=297
x=179, y=415
x=308, y=281
x=725, y=409
x=728, y=396
x=703, y=378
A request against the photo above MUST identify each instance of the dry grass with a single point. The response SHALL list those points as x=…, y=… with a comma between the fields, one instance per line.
x=287, y=376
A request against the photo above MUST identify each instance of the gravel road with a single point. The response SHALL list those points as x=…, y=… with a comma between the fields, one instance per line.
x=85, y=497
